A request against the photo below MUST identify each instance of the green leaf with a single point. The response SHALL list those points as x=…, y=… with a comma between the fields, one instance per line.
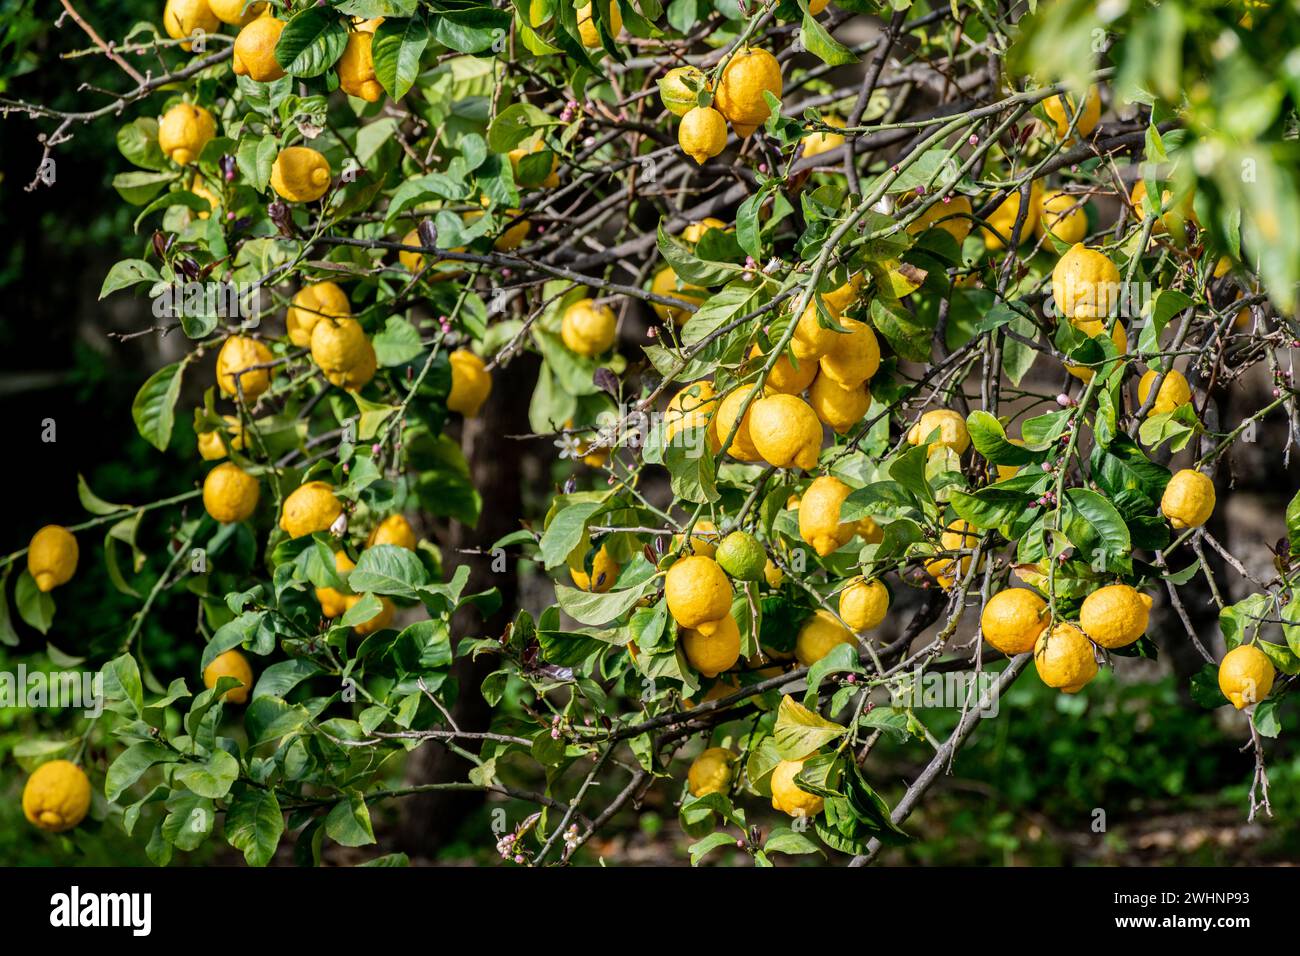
x=1092, y=524
x=703, y=848
x=566, y=531
x=514, y=124
x=990, y=440
x=691, y=469
x=213, y=778
x=311, y=42
x=397, y=343
x=35, y=606
x=254, y=824
x=821, y=44
x=138, y=188
x=131, y=764
x=388, y=569
x=587, y=607
x=154, y=406
x=348, y=823
x=122, y=681
x=127, y=273
x=397, y=47
x=909, y=335
x=138, y=142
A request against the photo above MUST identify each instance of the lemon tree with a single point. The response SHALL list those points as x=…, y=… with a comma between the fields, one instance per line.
x=830, y=337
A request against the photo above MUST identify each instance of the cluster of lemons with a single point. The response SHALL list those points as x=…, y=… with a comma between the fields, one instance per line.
x=737, y=99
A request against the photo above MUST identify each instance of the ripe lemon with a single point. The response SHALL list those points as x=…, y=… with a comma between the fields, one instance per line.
x=52, y=557
x=819, y=635
x=742, y=445
x=1010, y=471
x=333, y=602
x=1003, y=218
x=674, y=92
x=310, y=508
x=742, y=556
x=309, y=305
x=230, y=664
x=588, y=329
x=1188, y=500
x=710, y=772
x=869, y=531
x=587, y=28
x=698, y=593
x=377, y=623
x=356, y=68
x=184, y=18
x=853, y=358
x=1115, y=616
x=716, y=651
x=552, y=179
x=1061, y=214
x=183, y=131
x=696, y=230
x=693, y=407
x=1245, y=676
x=822, y=141
x=1176, y=215
x=240, y=354
x=300, y=174
x=840, y=408
x=704, y=540
x=773, y=574
x=200, y=189
x=839, y=299
x=1062, y=107
x=1243, y=317
x=56, y=796
x=343, y=352
x=254, y=53
x=230, y=494
x=1174, y=391
x=702, y=133
x=1094, y=328
x=952, y=217
x=960, y=536
x=811, y=340
x=785, y=431
x=394, y=529
x=1085, y=284
x=233, y=12
x=950, y=425
x=784, y=378
x=211, y=446
x=1064, y=658
x=513, y=236
x=788, y=797
x=604, y=571
x=817, y=6
x=471, y=383
x=666, y=283
x=819, y=515
x=740, y=99
x=1012, y=620
x=863, y=604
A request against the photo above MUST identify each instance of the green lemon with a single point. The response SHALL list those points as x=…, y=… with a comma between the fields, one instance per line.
x=742, y=557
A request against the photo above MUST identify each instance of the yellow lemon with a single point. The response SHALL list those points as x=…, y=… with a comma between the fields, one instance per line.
x=698, y=594
x=377, y=623
x=675, y=90
x=666, y=283
x=811, y=340
x=56, y=796
x=471, y=383
x=211, y=445
x=819, y=635
x=819, y=515
x=604, y=572
x=309, y=305
x=238, y=367
x=960, y=536
x=693, y=407
x=514, y=234
x=230, y=494
x=333, y=602
x=852, y=358
x=183, y=131
x=747, y=75
x=1064, y=658
x=356, y=68
x=1245, y=675
x=863, y=604
x=1012, y=620
x=588, y=329
x=233, y=12
x=1188, y=500
x=702, y=133
x=184, y=18
x=710, y=772
x=52, y=557
x=951, y=216
x=230, y=664
x=742, y=446
x=788, y=797
x=587, y=28
x=950, y=425
x=552, y=179
x=784, y=377
x=1174, y=391
x=1061, y=108
x=343, y=352
x=300, y=174
x=310, y=508
x=200, y=189
x=785, y=431
x=395, y=530
x=1062, y=215
x=704, y=540
x=1010, y=471
x=1003, y=218
x=696, y=230
x=254, y=53
x=822, y=141
x=1115, y=616
x=1094, y=328
x=1176, y=214
x=716, y=651
x=1085, y=284
x=773, y=574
